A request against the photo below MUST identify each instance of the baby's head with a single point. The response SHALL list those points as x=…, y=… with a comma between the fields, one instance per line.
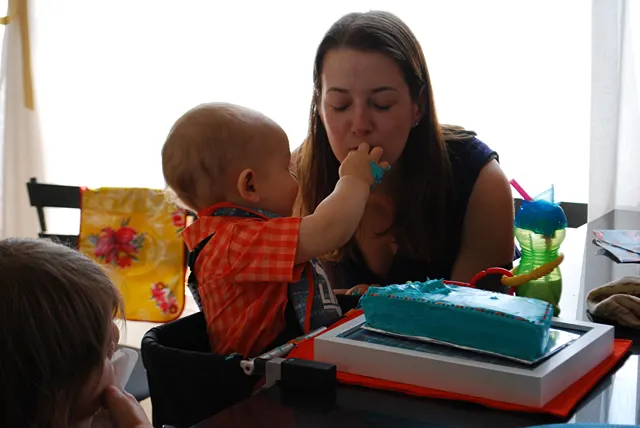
x=226, y=153
x=57, y=333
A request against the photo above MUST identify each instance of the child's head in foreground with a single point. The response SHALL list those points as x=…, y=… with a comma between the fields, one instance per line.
x=226, y=153
x=56, y=323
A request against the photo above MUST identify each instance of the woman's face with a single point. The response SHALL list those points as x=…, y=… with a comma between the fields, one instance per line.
x=365, y=99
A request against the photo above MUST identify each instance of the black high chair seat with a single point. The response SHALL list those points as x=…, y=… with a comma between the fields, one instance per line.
x=187, y=382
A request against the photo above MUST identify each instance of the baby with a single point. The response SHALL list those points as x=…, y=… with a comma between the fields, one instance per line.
x=257, y=276
x=58, y=358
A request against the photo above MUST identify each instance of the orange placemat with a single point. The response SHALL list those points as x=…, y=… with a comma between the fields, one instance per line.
x=561, y=406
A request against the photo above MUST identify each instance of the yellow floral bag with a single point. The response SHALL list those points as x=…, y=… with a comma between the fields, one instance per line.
x=135, y=235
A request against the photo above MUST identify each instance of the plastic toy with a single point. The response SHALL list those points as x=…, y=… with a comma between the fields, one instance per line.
x=378, y=172
x=540, y=228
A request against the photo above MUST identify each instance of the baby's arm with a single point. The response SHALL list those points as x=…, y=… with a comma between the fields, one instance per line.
x=337, y=217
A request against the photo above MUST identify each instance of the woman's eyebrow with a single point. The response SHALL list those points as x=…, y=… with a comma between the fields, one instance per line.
x=383, y=89
x=374, y=91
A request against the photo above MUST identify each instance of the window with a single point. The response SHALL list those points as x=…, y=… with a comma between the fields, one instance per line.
x=113, y=76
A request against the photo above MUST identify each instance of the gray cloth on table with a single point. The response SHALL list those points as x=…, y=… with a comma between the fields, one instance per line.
x=617, y=301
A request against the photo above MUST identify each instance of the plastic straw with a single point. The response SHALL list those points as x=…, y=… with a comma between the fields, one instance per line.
x=520, y=190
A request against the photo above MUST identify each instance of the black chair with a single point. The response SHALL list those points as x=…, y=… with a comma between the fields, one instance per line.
x=42, y=196
x=577, y=213
x=187, y=382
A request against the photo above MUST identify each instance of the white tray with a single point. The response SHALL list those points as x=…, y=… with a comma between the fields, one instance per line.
x=465, y=372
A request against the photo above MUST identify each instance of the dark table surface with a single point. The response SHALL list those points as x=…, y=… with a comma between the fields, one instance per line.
x=615, y=400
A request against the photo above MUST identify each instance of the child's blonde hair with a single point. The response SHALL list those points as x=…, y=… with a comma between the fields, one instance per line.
x=203, y=146
x=56, y=312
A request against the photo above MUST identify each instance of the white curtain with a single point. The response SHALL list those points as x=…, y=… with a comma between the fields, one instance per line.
x=112, y=76
x=614, y=180
x=21, y=145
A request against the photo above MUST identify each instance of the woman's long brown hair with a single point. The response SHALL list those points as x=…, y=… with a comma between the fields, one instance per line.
x=56, y=307
x=421, y=182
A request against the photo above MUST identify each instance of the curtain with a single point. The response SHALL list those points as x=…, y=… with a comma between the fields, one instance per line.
x=21, y=145
x=614, y=180
x=112, y=76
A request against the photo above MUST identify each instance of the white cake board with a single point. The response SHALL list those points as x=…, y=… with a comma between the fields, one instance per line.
x=496, y=380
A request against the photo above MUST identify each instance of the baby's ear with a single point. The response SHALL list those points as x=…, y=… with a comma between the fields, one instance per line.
x=247, y=186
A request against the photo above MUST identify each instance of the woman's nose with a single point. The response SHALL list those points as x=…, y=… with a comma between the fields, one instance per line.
x=362, y=121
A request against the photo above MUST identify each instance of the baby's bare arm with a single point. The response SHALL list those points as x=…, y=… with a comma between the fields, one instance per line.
x=337, y=217
x=335, y=220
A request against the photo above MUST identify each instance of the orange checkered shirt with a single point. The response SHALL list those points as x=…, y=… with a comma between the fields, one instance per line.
x=243, y=273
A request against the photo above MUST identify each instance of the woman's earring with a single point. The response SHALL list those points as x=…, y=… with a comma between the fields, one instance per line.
x=416, y=123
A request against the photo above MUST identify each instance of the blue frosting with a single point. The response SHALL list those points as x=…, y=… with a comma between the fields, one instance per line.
x=507, y=325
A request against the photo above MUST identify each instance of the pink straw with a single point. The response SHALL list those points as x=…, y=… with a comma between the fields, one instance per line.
x=520, y=190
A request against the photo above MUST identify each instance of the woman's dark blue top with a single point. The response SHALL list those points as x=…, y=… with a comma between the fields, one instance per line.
x=467, y=160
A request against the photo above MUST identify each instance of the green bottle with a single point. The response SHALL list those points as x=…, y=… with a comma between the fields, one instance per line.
x=540, y=228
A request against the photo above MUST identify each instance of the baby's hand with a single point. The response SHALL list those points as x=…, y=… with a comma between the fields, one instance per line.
x=125, y=411
x=358, y=163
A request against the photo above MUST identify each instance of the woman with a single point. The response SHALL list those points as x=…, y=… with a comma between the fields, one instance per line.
x=445, y=210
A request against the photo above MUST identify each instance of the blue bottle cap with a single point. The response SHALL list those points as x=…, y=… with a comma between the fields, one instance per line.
x=541, y=217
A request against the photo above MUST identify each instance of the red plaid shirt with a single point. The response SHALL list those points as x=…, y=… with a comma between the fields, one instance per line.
x=243, y=273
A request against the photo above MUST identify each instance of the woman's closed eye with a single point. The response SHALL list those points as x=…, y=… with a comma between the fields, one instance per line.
x=382, y=107
x=340, y=108
x=383, y=102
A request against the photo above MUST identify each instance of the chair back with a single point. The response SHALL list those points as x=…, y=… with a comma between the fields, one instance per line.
x=43, y=196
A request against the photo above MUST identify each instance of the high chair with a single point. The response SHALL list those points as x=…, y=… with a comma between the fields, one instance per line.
x=187, y=382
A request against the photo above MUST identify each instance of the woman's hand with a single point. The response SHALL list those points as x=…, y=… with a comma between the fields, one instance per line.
x=124, y=410
x=359, y=289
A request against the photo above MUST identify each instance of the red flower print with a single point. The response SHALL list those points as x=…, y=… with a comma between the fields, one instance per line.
x=124, y=236
x=117, y=247
x=178, y=219
x=105, y=244
x=164, y=298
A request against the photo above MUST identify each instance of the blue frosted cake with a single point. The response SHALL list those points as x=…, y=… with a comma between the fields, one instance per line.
x=508, y=325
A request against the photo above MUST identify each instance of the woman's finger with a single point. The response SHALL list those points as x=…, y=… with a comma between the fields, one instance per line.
x=384, y=165
x=376, y=154
x=358, y=288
